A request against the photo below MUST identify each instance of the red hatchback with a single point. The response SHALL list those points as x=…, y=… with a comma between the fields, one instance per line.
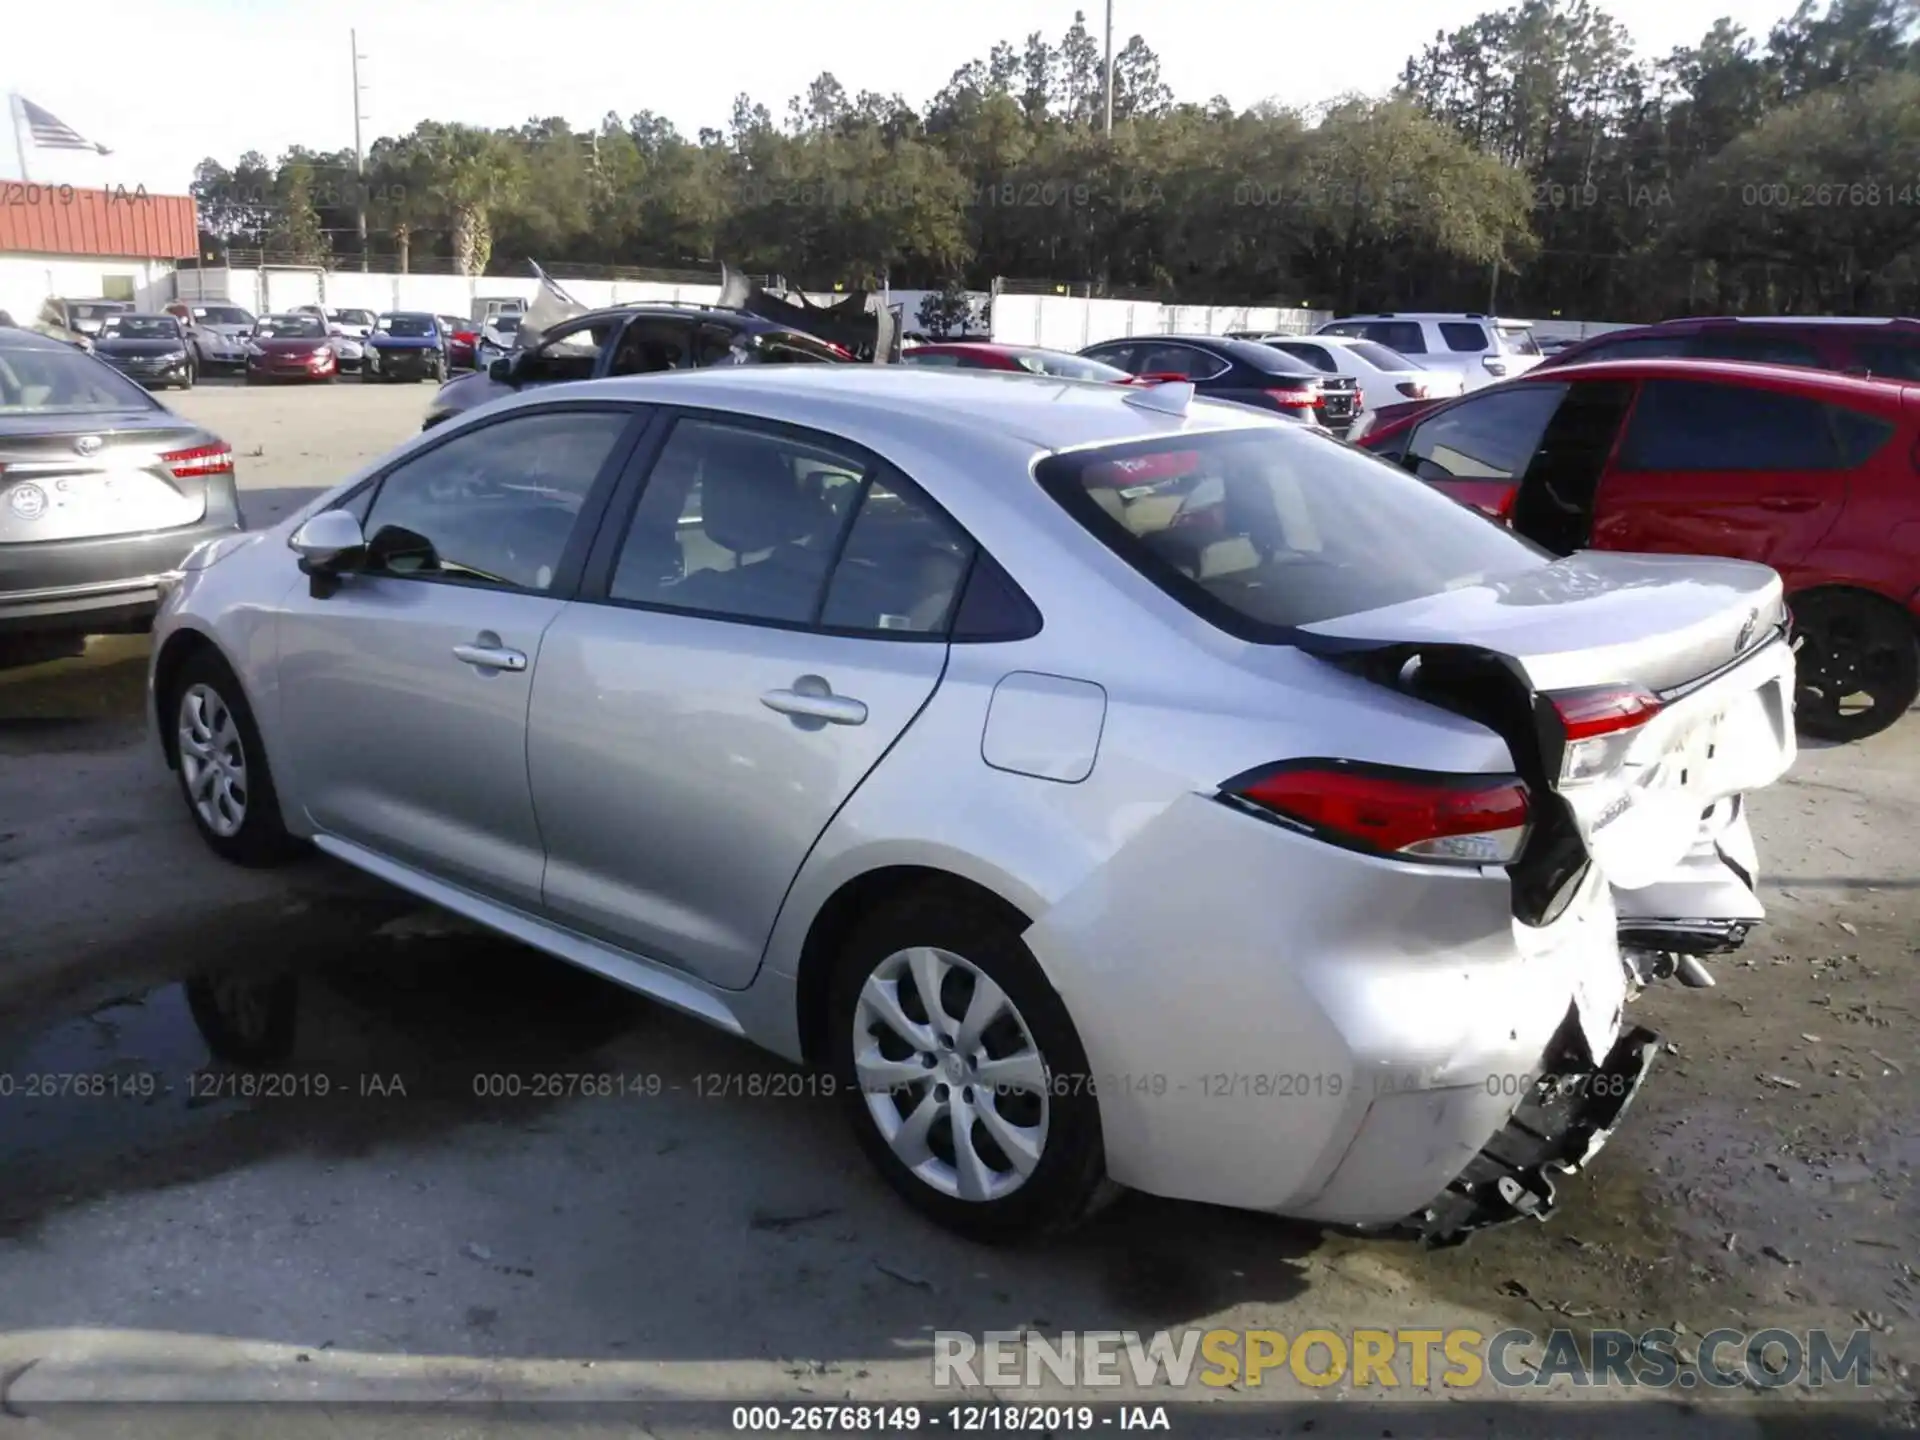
x=979, y=355
x=291, y=347
x=1813, y=473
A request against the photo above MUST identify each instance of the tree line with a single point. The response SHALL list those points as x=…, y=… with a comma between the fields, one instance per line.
x=1531, y=161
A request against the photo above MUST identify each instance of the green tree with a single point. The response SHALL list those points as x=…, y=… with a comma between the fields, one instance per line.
x=295, y=235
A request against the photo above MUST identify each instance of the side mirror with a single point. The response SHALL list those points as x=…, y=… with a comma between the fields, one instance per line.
x=327, y=544
x=501, y=369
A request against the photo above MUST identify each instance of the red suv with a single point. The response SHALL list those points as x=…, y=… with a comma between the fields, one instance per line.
x=1815, y=474
x=1854, y=346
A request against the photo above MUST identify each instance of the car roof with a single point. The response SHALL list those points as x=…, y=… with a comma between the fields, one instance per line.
x=1800, y=379
x=871, y=404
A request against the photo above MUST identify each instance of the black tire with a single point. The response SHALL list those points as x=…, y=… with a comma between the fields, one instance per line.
x=192, y=375
x=248, y=1019
x=261, y=838
x=1069, y=1182
x=1852, y=645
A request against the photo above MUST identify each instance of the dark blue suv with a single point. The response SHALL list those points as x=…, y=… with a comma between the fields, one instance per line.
x=634, y=340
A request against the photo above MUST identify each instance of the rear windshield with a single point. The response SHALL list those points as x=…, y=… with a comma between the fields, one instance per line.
x=97, y=312
x=406, y=327
x=1259, y=531
x=1379, y=356
x=505, y=324
x=61, y=382
x=1519, y=339
x=1067, y=367
x=356, y=317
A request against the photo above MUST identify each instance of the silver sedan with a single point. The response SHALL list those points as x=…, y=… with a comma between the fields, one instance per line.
x=1101, y=787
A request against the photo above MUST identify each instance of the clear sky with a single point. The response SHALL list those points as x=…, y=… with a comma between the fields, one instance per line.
x=167, y=84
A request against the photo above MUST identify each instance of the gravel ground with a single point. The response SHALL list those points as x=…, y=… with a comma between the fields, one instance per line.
x=404, y=1236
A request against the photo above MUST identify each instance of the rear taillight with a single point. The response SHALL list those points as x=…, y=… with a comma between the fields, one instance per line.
x=1600, y=725
x=1412, y=389
x=1297, y=399
x=201, y=460
x=1406, y=814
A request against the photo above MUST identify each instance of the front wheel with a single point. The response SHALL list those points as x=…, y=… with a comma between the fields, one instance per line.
x=186, y=382
x=1858, y=664
x=222, y=764
x=961, y=1072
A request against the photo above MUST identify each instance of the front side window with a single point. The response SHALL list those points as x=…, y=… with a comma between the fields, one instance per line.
x=650, y=345
x=1261, y=531
x=738, y=523
x=1702, y=426
x=1402, y=335
x=1489, y=437
x=1464, y=337
x=571, y=354
x=493, y=506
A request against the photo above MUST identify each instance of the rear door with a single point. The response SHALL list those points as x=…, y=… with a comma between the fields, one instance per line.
x=724, y=683
x=1476, y=450
x=1711, y=467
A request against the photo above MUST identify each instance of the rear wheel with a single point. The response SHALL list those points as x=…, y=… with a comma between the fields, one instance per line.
x=961, y=1072
x=1858, y=664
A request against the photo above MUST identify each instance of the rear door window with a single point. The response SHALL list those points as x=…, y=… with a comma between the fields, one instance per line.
x=1699, y=425
x=1489, y=437
x=1180, y=360
x=1260, y=531
x=1891, y=358
x=1465, y=337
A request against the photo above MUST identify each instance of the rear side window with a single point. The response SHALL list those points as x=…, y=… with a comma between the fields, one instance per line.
x=1642, y=347
x=1889, y=358
x=1463, y=336
x=1695, y=425
x=1260, y=531
x=1760, y=349
x=1490, y=437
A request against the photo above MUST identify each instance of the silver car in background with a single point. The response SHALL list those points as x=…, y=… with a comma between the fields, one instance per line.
x=217, y=331
x=1102, y=787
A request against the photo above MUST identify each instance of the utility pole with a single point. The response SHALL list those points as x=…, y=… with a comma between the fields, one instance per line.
x=1109, y=69
x=359, y=152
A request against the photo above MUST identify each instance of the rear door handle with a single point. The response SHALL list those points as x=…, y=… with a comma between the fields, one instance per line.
x=1790, y=503
x=490, y=657
x=811, y=698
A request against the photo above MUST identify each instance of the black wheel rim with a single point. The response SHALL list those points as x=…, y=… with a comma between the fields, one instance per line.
x=1849, y=668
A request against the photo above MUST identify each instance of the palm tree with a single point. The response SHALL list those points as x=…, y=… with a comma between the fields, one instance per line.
x=398, y=199
x=471, y=174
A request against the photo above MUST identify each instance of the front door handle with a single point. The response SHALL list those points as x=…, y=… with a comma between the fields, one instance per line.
x=1792, y=504
x=490, y=656
x=811, y=698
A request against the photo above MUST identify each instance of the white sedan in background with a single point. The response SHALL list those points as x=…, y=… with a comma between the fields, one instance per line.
x=1386, y=376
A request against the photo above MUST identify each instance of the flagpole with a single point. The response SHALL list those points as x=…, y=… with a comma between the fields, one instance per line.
x=16, y=110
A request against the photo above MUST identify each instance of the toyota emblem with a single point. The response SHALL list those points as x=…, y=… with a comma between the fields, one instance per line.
x=1746, y=632
x=29, y=502
x=87, y=445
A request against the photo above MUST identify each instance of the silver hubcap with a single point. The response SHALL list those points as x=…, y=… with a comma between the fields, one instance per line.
x=951, y=1074
x=212, y=761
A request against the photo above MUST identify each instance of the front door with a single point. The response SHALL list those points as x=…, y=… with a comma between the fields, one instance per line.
x=1709, y=467
x=706, y=708
x=403, y=693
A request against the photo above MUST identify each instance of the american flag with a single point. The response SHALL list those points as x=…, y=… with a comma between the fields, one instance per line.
x=49, y=132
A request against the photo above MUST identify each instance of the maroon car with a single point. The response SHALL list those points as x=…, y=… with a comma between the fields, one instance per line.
x=291, y=347
x=1853, y=345
x=980, y=355
x=462, y=336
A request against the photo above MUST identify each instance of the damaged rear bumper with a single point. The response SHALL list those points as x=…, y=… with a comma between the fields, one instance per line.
x=1569, y=1113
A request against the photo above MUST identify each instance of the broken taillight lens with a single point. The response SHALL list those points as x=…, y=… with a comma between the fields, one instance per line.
x=1600, y=725
x=1401, y=814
